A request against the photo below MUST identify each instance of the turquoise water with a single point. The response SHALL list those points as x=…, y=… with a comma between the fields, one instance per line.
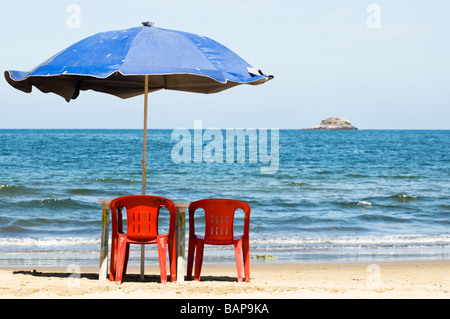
x=376, y=195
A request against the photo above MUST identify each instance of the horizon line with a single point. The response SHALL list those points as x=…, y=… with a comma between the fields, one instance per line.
x=189, y=128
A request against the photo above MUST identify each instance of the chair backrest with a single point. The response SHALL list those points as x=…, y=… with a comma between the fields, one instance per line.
x=219, y=219
x=142, y=215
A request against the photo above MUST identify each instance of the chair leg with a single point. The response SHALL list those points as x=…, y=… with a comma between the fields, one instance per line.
x=172, y=260
x=238, y=253
x=112, y=267
x=191, y=254
x=162, y=243
x=121, y=250
x=127, y=254
x=246, y=252
x=199, y=258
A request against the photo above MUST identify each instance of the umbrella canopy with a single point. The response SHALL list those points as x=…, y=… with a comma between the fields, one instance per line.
x=116, y=62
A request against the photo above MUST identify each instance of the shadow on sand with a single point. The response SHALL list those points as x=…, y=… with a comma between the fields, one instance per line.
x=127, y=278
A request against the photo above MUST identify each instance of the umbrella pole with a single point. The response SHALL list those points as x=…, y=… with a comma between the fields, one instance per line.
x=144, y=166
x=144, y=158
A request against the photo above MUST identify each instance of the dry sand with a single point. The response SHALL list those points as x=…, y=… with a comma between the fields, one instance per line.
x=271, y=280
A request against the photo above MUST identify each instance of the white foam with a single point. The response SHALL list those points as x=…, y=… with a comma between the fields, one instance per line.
x=352, y=241
x=48, y=242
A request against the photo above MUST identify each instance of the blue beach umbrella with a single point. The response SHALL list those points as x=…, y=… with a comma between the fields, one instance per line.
x=135, y=61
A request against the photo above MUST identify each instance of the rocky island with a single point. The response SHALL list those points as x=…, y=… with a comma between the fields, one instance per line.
x=333, y=123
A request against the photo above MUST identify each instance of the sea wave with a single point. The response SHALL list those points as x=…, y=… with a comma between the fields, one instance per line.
x=92, y=244
x=355, y=241
x=83, y=191
x=297, y=184
x=364, y=203
x=404, y=196
x=48, y=242
x=13, y=190
x=361, y=203
x=56, y=203
x=116, y=180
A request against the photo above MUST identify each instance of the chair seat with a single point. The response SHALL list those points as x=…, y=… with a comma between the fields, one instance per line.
x=218, y=242
x=142, y=240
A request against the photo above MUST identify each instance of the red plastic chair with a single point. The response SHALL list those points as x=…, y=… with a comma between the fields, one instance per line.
x=142, y=228
x=219, y=220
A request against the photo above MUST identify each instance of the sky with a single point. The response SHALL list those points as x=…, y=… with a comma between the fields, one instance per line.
x=380, y=64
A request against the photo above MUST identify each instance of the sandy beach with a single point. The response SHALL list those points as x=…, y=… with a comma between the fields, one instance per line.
x=300, y=281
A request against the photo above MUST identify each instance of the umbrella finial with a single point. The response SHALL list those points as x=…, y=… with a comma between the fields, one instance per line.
x=147, y=23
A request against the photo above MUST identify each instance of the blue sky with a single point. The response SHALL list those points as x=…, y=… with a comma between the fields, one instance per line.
x=325, y=59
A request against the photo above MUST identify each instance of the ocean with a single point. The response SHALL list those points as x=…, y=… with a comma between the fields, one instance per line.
x=335, y=196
